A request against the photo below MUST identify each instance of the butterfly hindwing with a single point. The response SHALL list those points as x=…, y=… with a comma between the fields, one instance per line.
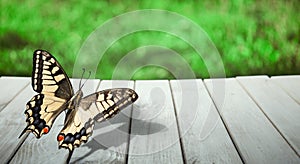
x=98, y=106
x=77, y=129
x=107, y=103
x=110, y=102
x=41, y=111
x=54, y=88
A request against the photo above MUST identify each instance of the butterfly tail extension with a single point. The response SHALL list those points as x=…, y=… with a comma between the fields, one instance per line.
x=40, y=113
x=23, y=132
x=69, y=156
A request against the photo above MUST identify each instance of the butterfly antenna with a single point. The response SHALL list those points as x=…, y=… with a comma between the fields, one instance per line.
x=86, y=79
x=83, y=71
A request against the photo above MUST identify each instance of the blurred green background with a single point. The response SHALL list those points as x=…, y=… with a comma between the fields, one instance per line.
x=252, y=37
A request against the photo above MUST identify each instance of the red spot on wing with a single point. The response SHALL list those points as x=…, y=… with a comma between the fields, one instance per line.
x=45, y=130
x=60, y=137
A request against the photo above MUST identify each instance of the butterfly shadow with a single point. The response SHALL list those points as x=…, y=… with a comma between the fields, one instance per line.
x=113, y=134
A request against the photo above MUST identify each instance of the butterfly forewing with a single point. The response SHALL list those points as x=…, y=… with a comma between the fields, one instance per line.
x=111, y=101
x=54, y=88
x=98, y=106
x=48, y=77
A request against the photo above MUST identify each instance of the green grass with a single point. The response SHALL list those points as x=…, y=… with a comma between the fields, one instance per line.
x=252, y=37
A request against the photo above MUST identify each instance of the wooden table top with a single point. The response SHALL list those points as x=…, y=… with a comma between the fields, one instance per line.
x=253, y=119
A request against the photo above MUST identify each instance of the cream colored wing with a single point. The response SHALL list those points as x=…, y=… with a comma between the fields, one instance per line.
x=55, y=90
x=41, y=111
x=48, y=77
x=95, y=107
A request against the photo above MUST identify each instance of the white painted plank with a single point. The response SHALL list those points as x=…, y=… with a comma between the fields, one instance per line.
x=255, y=137
x=291, y=84
x=280, y=108
x=10, y=87
x=45, y=149
x=154, y=134
x=110, y=138
x=12, y=123
x=204, y=137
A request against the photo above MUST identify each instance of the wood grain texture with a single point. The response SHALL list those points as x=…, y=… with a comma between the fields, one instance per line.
x=12, y=122
x=279, y=107
x=204, y=137
x=110, y=138
x=45, y=149
x=259, y=114
x=254, y=136
x=154, y=134
x=10, y=87
x=291, y=84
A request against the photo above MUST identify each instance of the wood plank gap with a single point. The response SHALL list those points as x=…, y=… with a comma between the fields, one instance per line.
x=178, y=128
x=226, y=127
x=269, y=119
x=22, y=140
x=298, y=102
x=154, y=136
x=11, y=119
x=286, y=90
x=98, y=84
x=129, y=129
x=203, y=134
x=4, y=106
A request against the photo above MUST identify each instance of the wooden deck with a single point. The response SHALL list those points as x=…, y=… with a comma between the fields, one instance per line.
x=236, y=120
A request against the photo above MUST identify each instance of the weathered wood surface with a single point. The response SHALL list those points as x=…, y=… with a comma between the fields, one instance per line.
x=12, y=117
x=280, y=109
x=253, y=134
x=10, y=87
x=236, y=120
x=290, y=84
x=203, y=134
x=154, y=133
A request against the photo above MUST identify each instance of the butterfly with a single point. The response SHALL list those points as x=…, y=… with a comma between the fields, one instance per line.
x=55, y=95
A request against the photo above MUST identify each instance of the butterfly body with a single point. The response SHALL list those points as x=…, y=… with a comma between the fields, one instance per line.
x=55, y=95
x=75, y=100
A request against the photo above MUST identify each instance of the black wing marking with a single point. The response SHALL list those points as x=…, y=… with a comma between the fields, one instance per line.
x=107, y=103
x=55, y=90
x=41, y=111
x=48, y=77
x=98, y=106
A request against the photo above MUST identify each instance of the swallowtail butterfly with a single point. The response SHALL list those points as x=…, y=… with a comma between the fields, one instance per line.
x=55, y=95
